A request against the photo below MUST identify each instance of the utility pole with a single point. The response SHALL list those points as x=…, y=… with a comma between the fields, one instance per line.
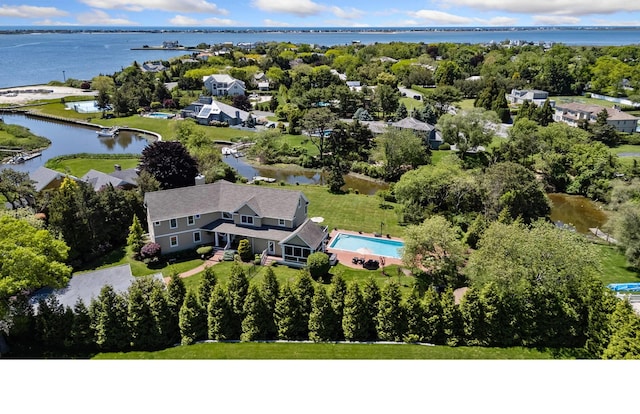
x=64, y=77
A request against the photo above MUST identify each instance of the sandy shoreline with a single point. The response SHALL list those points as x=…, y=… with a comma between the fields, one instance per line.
x=21, y=95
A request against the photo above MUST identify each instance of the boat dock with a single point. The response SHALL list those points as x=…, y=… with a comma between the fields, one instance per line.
x=259, y=178
x=603, y=235
x=23, y=157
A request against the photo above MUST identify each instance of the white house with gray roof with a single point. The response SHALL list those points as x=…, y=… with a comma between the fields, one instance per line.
x=223, y=85
x=274, y=220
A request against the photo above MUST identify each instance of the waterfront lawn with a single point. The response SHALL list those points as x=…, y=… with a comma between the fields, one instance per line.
x=615, y=266
x=79, y=166
x=16, y=136
x=251, y=350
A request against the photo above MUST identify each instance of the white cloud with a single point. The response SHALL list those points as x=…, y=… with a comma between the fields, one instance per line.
x=274, y=23
x=30, y=12
x=345, y=23
x=555, y=20
x=550, y=7
x=48, y=22
x=101, y=18
x=348, y=14
x=499, y=21
x=302, y=8
x=184, y=6
x=603, y=22
x=438, y=17
x=180, y=20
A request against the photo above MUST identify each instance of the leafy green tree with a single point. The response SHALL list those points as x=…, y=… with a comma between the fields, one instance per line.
x=400, y=151
x=288, y=316
x=468, y=130
x=442, y=99
x=193, y=320
x=511, y=187
x=322, y=319
x=447, y=72
x=170, y=163
x=16, y=187
x=318, y=122
x=109, y=320
x=31, y=258
x=270, y=290
x=433, y=317
x=336, y=179
x=337, y=293
x=626, y=226
x=219, y=315
x=625, y=340
x=388, y=99
x=135, y=240
x=244, y=250
x=435, y=246
x=318, y=265
x=390, y=320
x=355, y=320
x=237, y=288
x=208, y=283
x=256, y=320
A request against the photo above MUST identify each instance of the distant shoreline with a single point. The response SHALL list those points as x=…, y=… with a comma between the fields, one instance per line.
x=103, y=29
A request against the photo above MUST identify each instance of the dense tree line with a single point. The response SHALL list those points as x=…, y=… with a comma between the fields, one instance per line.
x=542, y=308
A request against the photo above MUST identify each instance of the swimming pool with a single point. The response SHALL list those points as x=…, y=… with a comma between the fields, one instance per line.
x=162, y=115
x=84, y=107
x=367, y=245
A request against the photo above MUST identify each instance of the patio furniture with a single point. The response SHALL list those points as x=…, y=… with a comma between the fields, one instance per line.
x=371, y=264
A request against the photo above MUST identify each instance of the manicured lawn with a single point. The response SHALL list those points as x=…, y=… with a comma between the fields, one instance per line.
x=438, y=156
x=80, y=166
x=248, y=351
x=626, y=148
x=615, y=266
x=411, y=103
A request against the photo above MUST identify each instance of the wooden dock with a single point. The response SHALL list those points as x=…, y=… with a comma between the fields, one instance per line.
x=603, y=235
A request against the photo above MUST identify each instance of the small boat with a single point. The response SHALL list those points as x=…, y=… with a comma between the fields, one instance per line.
x=22, y=158
x=108, y=132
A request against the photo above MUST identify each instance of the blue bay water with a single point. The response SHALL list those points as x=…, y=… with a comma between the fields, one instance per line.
x=37, y=58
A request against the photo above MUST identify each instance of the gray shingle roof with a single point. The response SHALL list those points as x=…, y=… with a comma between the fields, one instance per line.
x=86, y=286
x=221, y=196
x=43, y=176
x=99, y=179
x=265, y=233
x=310, y=233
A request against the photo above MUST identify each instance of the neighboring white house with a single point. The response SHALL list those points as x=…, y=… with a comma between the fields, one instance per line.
x=519, y=96
x=223, y=85
x=572, y=113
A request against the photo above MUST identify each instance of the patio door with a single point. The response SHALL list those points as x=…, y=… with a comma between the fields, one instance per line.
x=271, y=247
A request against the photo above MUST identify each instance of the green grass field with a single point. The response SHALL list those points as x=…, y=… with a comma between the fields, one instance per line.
x=265, y=351
x=615, y=266
x=80, y=166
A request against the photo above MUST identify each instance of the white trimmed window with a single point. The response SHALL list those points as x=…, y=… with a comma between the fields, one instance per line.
x=173, y=241
x=282, y=222
x=197, y=237
x=191, y=221
x=173, y=223
x=246, y=220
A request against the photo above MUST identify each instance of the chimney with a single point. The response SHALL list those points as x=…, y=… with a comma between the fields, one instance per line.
x=200, y=179
x=117, y=167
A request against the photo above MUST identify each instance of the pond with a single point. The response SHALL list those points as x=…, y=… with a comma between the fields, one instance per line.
x=577, y=211
x=69, y=138
x=298, y=175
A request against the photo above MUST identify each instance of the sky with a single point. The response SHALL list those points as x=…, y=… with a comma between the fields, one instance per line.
x=319, y=13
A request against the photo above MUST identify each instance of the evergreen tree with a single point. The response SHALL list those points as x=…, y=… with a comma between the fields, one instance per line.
x=433, y=317
x=193, y=320
x=371, y=299
x=109, y=320
x=337, y=293
x=162, y=318
x=142, y=325
x=135, y=240
x=219, y=315
x=22, y=330
x=501, y=107
x=176, y=293
x=390, y=320
x=287, y=315
x=82, y=336
x=304, y=291
x=356, y=320
x=237, y=289
x=544, y=114
x=416, y=325
x=625, y=338
x=269, y=292
x=322, y=318
x=473, y=320
x=401, y=112
x=53, y=324
x=254, y=324
x=451, y=319
x=207, y=284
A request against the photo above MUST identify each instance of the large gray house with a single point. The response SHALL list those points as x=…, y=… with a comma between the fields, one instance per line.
x=220, y=214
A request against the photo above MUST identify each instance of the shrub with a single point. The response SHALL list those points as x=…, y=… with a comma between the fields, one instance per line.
x=318, y=265
x=244, y=250
x=444, y=147
x=204, y=251
x=150, y=251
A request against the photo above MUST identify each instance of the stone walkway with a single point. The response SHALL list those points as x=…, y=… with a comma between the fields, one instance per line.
x=213, y=260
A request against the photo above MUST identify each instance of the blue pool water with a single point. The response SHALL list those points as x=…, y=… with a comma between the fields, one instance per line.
x=160, y=115
x=367, y=245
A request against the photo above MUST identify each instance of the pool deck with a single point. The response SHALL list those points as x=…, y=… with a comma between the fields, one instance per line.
x=345, y=257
